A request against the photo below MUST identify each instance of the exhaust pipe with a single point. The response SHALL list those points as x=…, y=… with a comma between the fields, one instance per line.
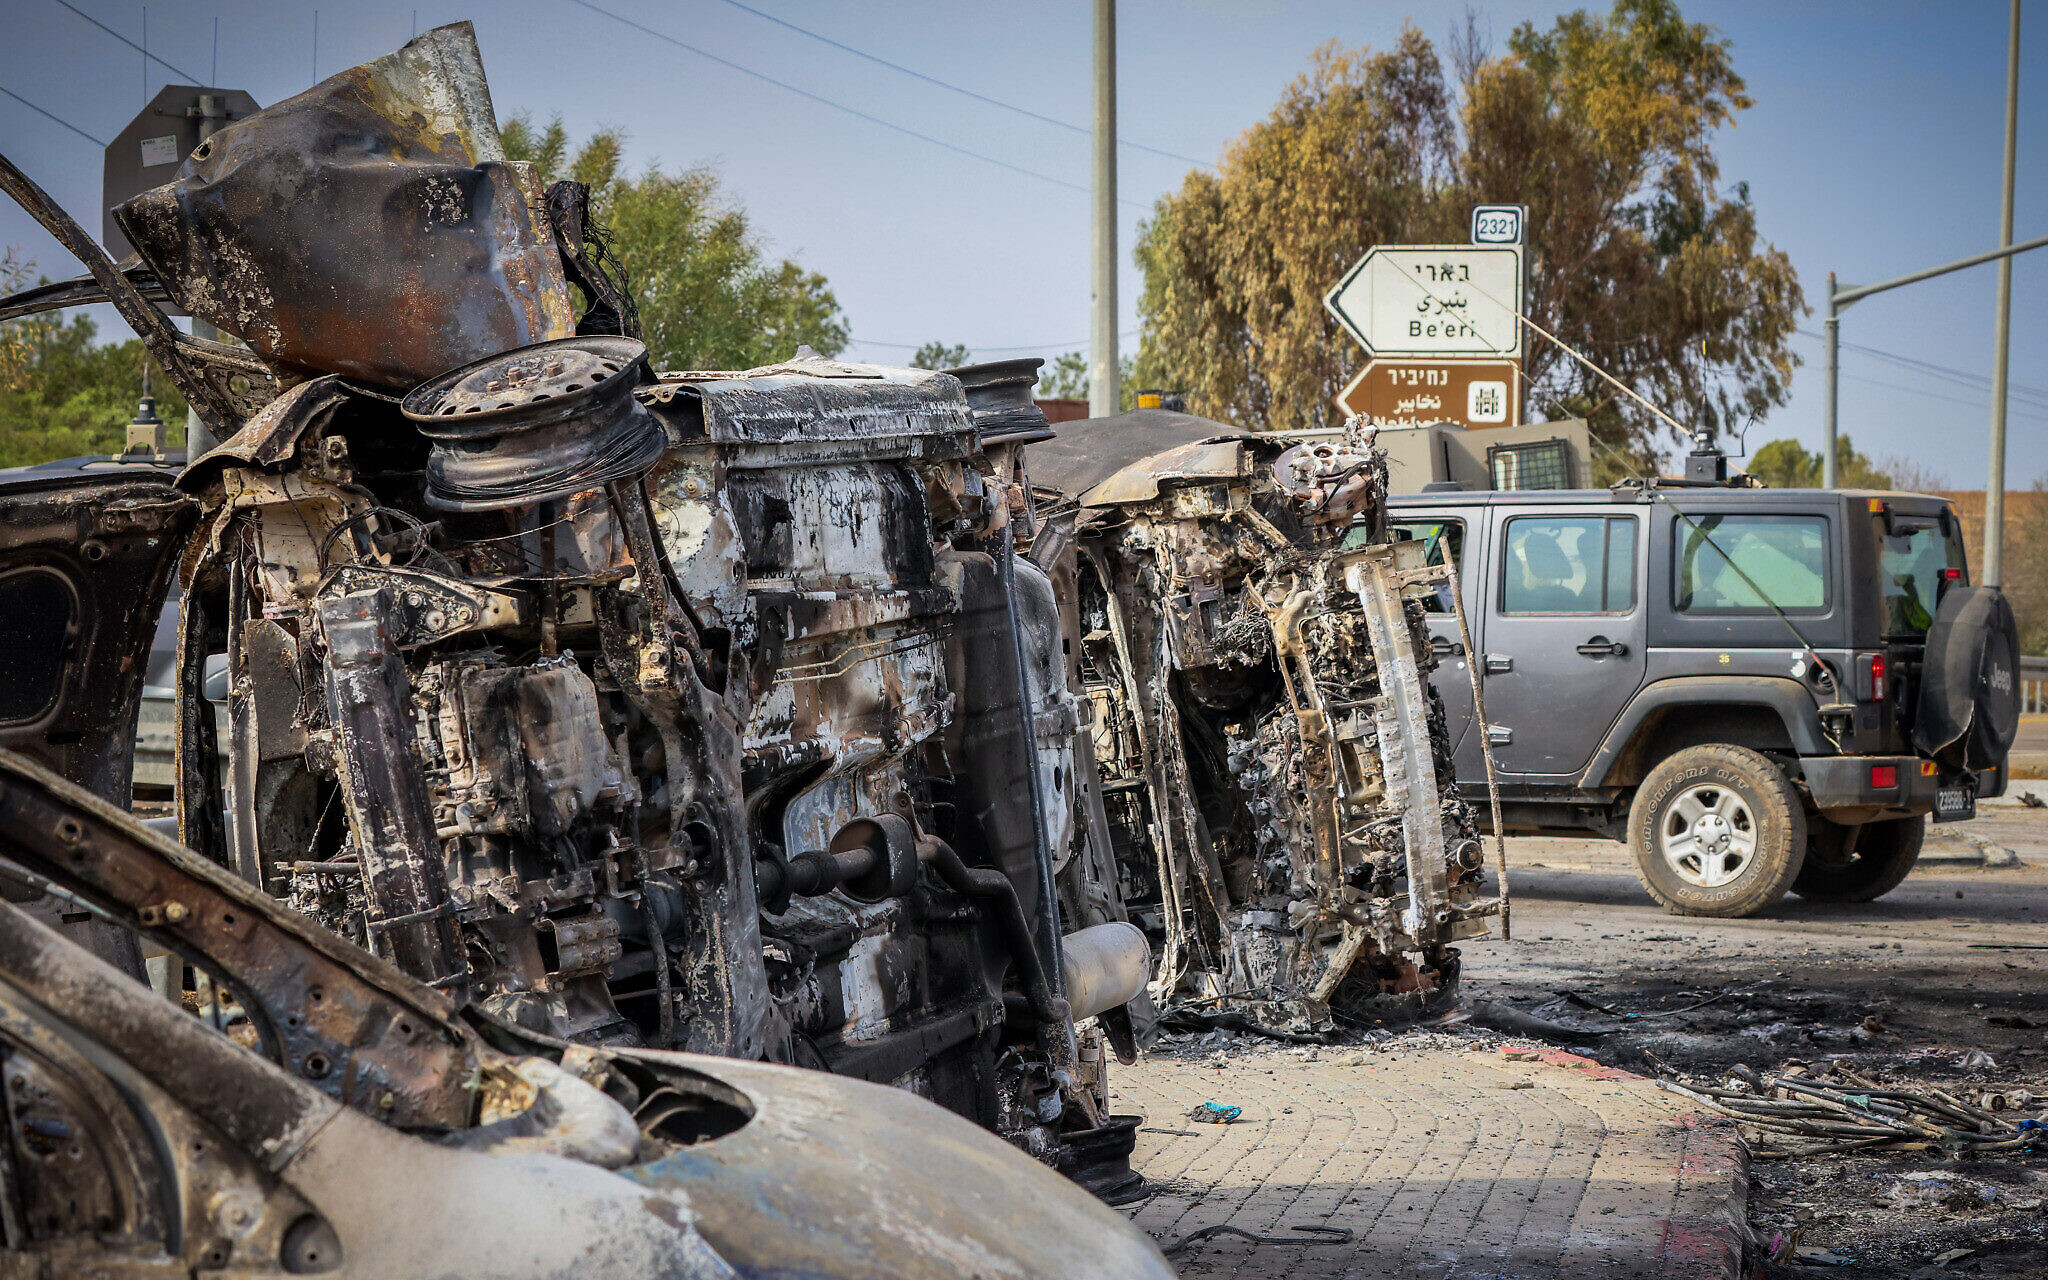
x=1106, y=965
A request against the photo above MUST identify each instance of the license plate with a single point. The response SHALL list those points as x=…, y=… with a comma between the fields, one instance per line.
x=1955, y=804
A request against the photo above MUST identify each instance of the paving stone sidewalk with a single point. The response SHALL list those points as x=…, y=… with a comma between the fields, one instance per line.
x=1448, y=1162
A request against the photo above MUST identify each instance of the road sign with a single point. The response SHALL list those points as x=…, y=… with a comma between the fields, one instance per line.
x=1498, y=223
x=1413, y=393
x=147, y=153
x=1438, y=301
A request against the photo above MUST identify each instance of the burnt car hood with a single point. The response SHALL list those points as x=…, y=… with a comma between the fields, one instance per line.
x=86, y=553
x=798, y=1173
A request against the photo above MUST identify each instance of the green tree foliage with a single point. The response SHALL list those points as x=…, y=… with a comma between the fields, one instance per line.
x=709, y=297
x=1064, y=377
x=1786, y=464
x=1601, y=125
x=937, y=355
x=62, y=394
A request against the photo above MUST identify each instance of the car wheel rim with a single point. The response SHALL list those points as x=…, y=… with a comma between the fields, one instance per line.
x=1708, y=836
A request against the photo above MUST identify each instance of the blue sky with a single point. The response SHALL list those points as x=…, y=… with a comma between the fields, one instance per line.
x=1873, y=150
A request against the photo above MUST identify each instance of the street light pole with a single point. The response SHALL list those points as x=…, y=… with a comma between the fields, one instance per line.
x=1841, y=298
x=2001, y=342
x=1103, y=391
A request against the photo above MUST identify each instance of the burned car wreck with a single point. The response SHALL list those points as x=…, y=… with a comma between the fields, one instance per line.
x=1275, y=770
x=706, y=711
x=378, y=1129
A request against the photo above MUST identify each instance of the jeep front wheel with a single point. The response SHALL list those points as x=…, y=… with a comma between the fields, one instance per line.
x=1868, y=867
x=1717, y=830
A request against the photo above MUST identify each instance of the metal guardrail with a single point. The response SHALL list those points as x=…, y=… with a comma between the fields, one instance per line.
x=2033, y=685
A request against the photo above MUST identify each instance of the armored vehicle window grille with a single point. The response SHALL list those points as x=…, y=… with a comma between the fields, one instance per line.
x=1784, y=557
x=1569, y=565
x=1538, y=464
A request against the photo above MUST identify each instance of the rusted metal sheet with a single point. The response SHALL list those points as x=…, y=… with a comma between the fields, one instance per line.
x=369, y=226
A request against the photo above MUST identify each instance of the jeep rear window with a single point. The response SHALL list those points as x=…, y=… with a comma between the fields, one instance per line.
x=1748, y=564
x=1910, y=563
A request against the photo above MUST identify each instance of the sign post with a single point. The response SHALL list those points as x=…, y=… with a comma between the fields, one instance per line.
x=1443, y=323
x=1395, y=392
x=1434, y=301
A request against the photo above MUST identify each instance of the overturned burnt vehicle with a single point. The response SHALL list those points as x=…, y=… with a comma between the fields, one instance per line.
x=696, y=710
x=1275, y=771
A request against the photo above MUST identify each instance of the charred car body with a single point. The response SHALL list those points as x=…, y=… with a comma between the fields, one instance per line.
x=707, y=711
x=377, y=1129
x=1275, y=769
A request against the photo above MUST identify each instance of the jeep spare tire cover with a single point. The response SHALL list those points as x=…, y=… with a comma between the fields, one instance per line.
x=1969, y=707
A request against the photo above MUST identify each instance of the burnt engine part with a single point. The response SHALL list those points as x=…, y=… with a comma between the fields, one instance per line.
x=535, y=424
x=765, y=751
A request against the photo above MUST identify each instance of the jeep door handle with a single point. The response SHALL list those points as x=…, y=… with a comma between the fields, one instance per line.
x=1601, y=647
x=1445, y=647
x=1499, y=663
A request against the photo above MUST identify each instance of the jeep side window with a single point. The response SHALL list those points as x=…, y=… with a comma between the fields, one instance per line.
x=1783, y=557
x=1569, y=564
x=1439, y=538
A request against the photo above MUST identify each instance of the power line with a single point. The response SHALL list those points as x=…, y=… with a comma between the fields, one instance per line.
x=837, y=106
x=978, y=350
x=960, y=89
x=1961, y=377
x=1936, y=395
x=125, y=40
x=59, y=119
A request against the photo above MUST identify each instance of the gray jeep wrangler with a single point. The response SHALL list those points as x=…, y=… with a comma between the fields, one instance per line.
x=1758, y=690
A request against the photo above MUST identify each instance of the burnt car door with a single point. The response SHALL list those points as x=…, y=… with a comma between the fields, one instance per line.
x=86, y=552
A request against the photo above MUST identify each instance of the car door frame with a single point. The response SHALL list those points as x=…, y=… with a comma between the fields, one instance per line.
x=1492, y=627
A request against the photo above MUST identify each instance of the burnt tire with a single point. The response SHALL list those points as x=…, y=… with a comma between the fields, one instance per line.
x=1717, y=830
x=1871, y=867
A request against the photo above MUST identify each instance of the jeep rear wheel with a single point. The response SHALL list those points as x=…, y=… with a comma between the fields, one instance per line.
x=1870, y=866
x=1717, y=830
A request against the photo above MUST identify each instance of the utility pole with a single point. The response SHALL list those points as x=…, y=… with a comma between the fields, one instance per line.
x=1834, y=327
x=210, y=115
x=1104, y=394
x=2001, y=341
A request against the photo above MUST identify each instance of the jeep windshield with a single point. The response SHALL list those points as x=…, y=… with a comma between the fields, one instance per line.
x=1912, y=553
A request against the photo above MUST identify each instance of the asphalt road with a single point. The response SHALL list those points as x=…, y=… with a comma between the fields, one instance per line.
x=1905, y=986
